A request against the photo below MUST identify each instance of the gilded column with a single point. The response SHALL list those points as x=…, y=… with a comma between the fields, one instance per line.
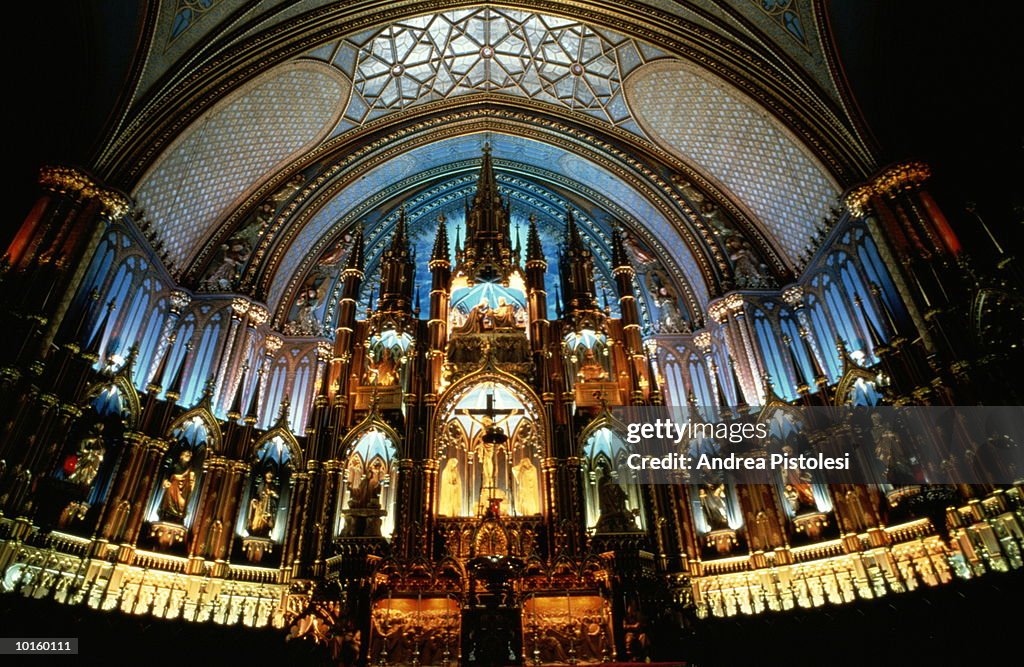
x=239, y=308
x=177, y=302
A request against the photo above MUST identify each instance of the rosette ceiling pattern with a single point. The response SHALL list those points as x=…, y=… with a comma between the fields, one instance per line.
x=623, y=121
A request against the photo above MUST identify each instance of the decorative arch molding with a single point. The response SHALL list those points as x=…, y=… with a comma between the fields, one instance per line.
x=428, y=183
x=640, y=177
x=449, y=398
x=215, y=439
x=122, y=383
x=603, y=420
x=642, y=165
x=294, y=448
x=370, y=422
x=851, y=373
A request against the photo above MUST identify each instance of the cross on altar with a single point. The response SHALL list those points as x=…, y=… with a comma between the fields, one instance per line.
x=492, y=439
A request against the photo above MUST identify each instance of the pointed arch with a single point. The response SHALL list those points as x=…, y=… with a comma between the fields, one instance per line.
x=199, y=415
x=294, y=448
x=116, y=394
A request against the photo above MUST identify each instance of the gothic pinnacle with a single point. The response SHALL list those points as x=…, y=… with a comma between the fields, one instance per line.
x=534, y=249
x=440, y=251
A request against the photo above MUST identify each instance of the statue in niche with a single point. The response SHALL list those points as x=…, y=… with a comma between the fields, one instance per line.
x=178, y=488
x=87, y=458
x=527, y=489
x=591, y=370
x=251, y=233
x=355, y=471
x=263, y=507
x=717, y=220
x=796, y=486
x=234, y=253
x=367, y=494
x=748, y=273
x=363, y=514
x=670, y=319
x=641, y=255
x=712, y=502
x=615, y=515
x=689, y=189
x=503, y=316
x=383, y=371
x=451, y=489
x=333, y=255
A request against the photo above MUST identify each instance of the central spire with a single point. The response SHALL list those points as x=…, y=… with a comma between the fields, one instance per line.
x=488, y=254
x=486, y=183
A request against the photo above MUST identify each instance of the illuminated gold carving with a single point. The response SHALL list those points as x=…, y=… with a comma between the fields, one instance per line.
x=74, y=183
x=898, y=178
x=239, y=306
x=179, y=301
x=718, y=311
x=857, y=200
x=273, y=344
x=793, y=295
x=901, y=177
x=258, y=314
x=703, y=341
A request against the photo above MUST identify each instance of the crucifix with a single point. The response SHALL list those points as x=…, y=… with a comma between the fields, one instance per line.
x=492, y=439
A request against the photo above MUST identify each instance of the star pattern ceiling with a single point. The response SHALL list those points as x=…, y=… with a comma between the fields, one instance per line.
x=547, y=58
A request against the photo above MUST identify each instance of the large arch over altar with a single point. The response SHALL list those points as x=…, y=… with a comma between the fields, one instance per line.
x=489, y=442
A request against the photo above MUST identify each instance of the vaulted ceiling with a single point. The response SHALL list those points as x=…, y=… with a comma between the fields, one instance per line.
x=700, y=127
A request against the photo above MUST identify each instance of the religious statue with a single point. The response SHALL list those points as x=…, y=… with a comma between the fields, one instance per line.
x=367, y=494
x=233, y=255
x=263, y=507
x=88, y=457
x=712, y=502
x=491, y=438
x=178, y=487
x=670, y=318
x=747, y=272
x=306, y=322
x=504, y=315
x=288, y=189
x=383, y=371
x=615, y=515
x=475, y=319
x=591, y=370
x=486, y=453
x=451, y=489
x=796, y=486
x=527, y=489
